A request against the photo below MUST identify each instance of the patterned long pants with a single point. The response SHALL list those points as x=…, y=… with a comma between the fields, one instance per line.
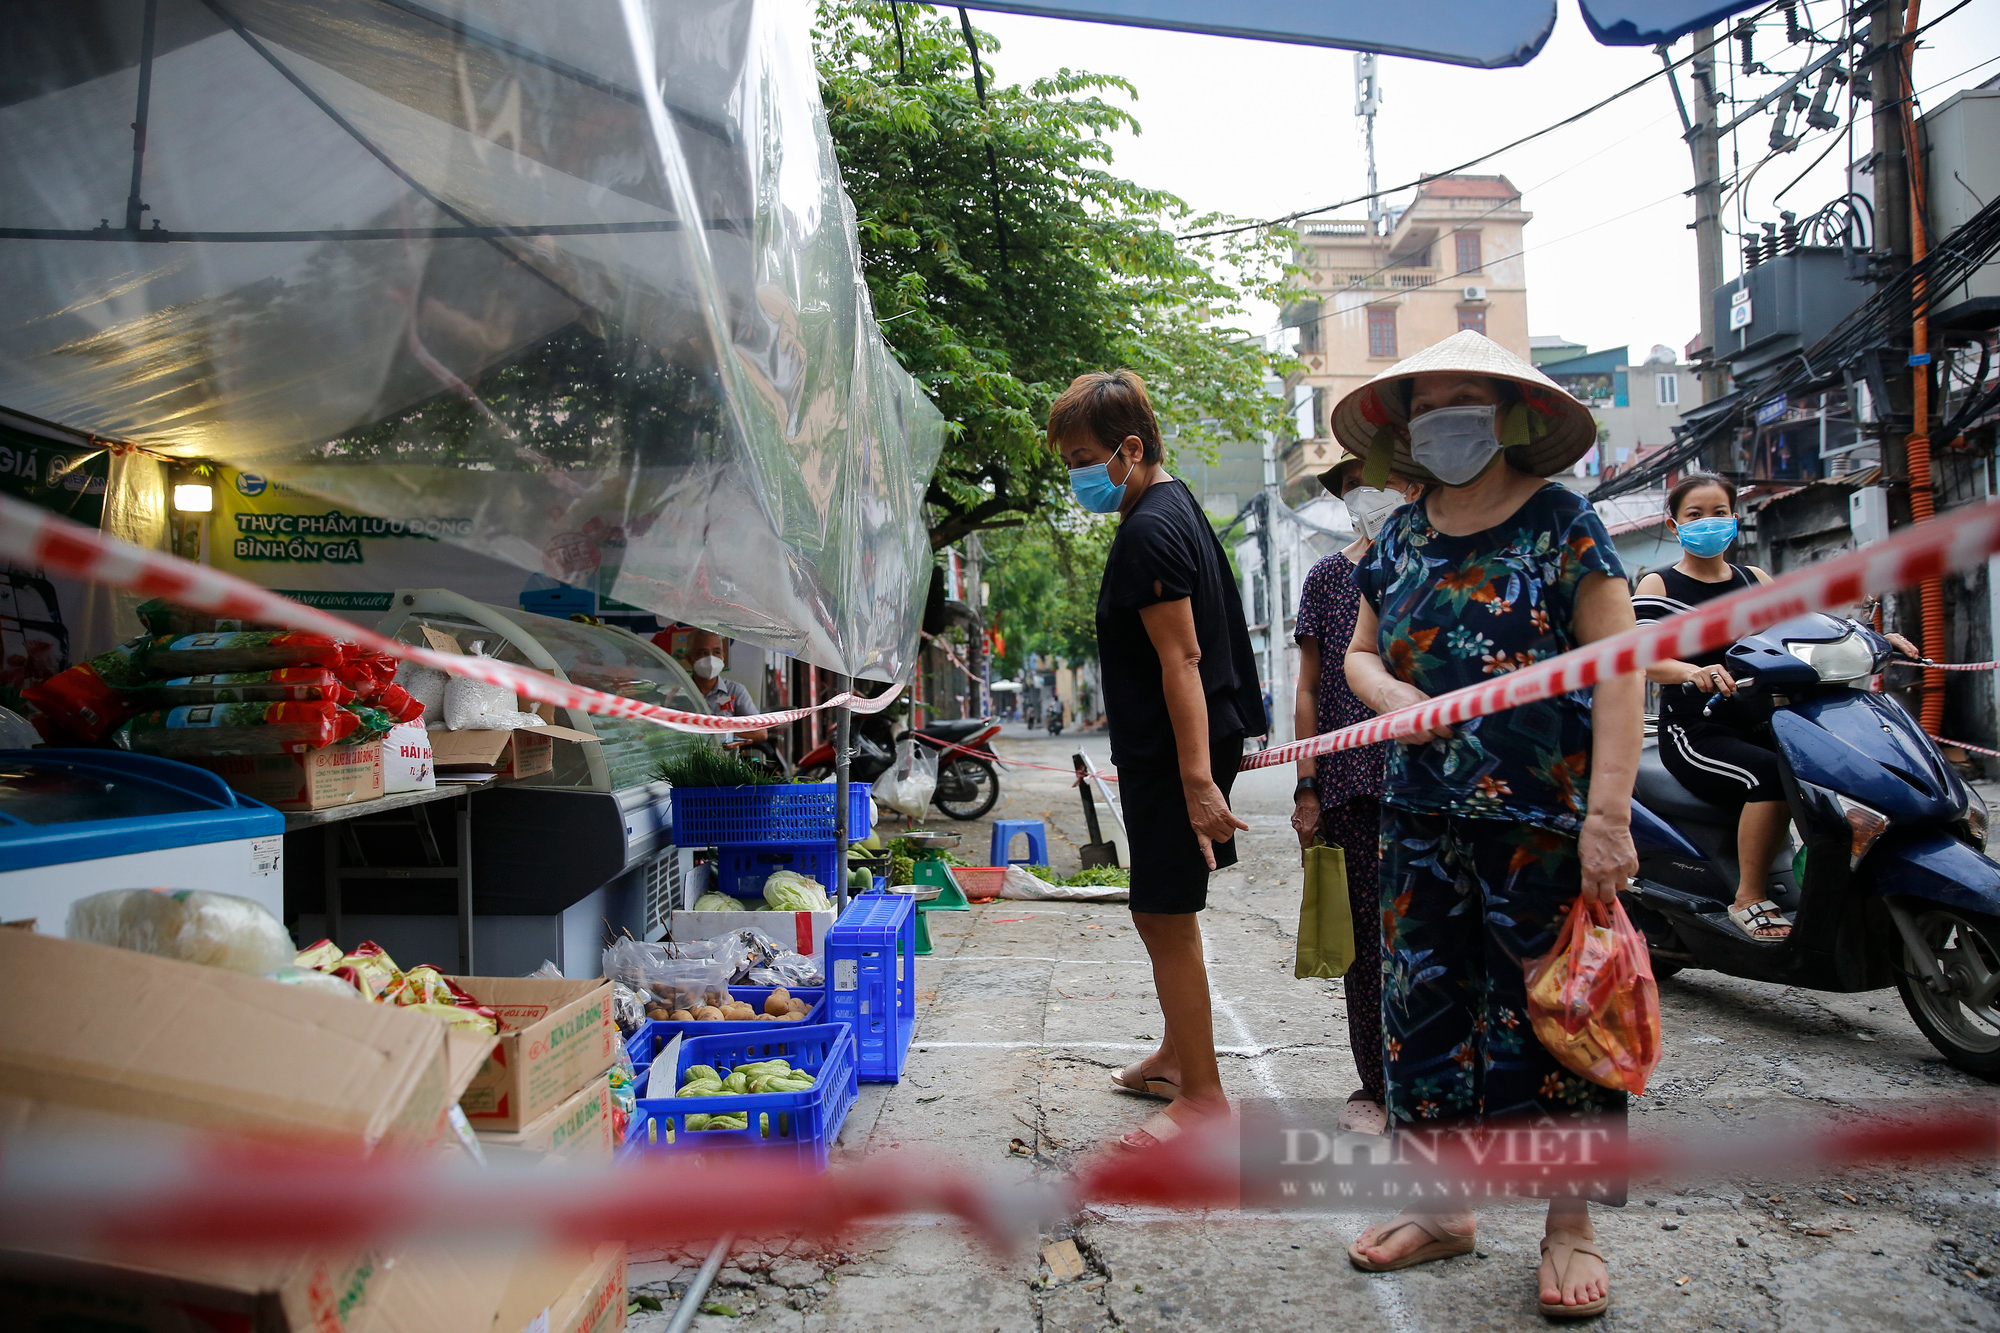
x=1466, y=903
x=1356, y=827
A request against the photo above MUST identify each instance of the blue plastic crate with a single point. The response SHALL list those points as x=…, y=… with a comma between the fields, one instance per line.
x=802, y=1125
x=741, y=871
x=871, y=974
x=653, y=1036
x=775, y=813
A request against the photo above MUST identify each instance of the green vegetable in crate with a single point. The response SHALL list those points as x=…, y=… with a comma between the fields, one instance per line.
x=720, y=902
x=789, y=891
x=727, y=1120
x=702, y=1071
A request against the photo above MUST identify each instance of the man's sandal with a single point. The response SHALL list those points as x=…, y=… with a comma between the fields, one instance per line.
x=1762, y=922
x=1558, y=1249
x=1136, y=1084
x=1443, y=1243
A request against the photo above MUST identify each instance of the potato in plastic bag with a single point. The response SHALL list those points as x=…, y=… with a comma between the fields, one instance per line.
x=1593, y=1001
x=193, y=925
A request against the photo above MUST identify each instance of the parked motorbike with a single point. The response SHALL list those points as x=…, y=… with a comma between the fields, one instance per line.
x=968, y=784
x=1892, y=884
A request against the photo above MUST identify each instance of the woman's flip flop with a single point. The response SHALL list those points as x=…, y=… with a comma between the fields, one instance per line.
x=1158, y=1129
x=1132, y=1082
x=1559, y=1248
x=1443, y=1244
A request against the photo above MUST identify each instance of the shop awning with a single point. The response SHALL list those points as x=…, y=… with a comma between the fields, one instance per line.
x=1485, y=33
x=579, y=279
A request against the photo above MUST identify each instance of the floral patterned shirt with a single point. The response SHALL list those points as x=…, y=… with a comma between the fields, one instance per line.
x=1458, y=611
x=1327, y=606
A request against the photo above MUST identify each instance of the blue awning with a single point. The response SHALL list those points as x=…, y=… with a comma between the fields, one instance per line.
x=1486, y=34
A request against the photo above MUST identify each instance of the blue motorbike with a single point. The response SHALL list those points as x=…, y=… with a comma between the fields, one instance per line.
x=1890, y=883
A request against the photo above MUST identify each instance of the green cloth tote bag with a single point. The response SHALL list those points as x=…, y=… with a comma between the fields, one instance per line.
x=1326, y=924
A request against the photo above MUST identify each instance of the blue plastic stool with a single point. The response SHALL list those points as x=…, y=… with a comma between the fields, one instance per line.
x=1003, y=842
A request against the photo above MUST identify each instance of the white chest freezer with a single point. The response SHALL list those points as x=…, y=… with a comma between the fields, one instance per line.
x=77, y=822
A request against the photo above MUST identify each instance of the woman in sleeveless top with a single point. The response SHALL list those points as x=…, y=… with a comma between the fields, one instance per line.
x=1706, y=749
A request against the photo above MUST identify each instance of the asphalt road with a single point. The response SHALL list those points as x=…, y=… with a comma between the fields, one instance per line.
x=1024, y=1009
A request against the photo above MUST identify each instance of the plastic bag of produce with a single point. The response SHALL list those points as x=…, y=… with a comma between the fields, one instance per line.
x=207, y=730
x=654, y=973
x=244, y=650
x=425, y=685
x=193, y=925
x=908, y=784
x=297, y=684
x=1593, y=1001
x=82, y=705
x=787, y=969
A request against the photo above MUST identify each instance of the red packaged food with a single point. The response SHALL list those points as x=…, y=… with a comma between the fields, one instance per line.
x=397, y=703
x=244, y=650
x=84, y=703
x=207, y=730
x=300, y=684
x=1593, y=1001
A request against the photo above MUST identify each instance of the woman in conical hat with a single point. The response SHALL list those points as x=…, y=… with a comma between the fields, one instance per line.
x=1491, y=829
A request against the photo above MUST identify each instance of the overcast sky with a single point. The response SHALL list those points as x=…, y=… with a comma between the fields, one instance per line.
x=1259, y=129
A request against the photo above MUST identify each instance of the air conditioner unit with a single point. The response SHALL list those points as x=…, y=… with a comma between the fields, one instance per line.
x=1473, y=293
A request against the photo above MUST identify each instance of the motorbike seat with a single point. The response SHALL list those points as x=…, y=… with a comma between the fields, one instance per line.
x=1659, y=791
x=956, y=729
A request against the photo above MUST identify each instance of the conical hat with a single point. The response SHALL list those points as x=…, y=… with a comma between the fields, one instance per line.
x=1551, y=434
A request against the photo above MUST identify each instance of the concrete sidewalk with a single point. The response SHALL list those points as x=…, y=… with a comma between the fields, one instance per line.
x=1025, y=1008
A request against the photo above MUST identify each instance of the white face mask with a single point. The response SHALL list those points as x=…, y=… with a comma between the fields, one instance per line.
x=1371, y=506
x=1454, y=444
x=708, y=668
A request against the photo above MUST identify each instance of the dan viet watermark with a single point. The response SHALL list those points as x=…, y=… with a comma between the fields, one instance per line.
x=1294, y=1156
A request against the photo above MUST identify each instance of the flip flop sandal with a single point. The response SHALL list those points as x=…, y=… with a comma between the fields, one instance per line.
x=1443, y=1244
x=1759, y=917
x=1160, y=1089
x=1159, y=1129
x=1363, y=1115
x=1559, y=1248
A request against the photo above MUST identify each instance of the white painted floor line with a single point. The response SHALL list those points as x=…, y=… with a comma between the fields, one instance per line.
x=1105, y=1046
x=1029, y=958
x=1266, y=1082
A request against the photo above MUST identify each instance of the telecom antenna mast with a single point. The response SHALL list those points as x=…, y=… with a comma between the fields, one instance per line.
x=1367, y=98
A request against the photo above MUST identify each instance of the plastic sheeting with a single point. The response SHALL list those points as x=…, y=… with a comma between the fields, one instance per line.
x=580, y=278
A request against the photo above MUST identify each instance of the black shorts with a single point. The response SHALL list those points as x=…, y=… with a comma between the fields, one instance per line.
x=1168, y=873
x=1719, y=764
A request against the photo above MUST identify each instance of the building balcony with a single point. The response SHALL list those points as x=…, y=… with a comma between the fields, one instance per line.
x=1306, y=459
x=1388, y=279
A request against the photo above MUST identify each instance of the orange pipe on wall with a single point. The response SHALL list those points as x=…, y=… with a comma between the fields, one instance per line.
x=1923, y=500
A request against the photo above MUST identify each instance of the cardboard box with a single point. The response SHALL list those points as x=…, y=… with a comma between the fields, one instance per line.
x=329, y=776
x=555, y=1037
x=577, y=1130
x=593, y=1301
x=804, y=932
x=84, y=1025
x=523, y=753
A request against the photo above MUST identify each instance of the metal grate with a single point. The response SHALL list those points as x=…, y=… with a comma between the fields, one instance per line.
x=664, y=881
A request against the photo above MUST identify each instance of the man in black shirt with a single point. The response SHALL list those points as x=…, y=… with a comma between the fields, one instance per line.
x=1180, y=694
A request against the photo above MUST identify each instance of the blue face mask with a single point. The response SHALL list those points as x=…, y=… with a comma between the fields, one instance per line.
x=1708, y=536
x=1093, y=488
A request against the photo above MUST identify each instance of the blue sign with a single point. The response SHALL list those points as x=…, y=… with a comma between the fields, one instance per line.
x=1772, y=410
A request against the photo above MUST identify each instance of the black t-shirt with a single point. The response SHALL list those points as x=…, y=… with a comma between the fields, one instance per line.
x=1165, y=550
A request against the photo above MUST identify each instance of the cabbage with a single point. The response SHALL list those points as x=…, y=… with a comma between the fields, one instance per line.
x=718, y=902
x=789, y=891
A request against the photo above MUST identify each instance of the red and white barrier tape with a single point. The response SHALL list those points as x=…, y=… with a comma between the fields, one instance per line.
x=1951, y=666
x=112, y=1194
x=1976, y=749
x=1957, y=540
x=33, y=536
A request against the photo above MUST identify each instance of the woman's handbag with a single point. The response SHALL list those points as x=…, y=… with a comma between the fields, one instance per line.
x=1593, y=1001
x=1326, y=924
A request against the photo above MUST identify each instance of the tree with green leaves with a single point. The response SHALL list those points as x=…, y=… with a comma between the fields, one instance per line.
x=1004, y=259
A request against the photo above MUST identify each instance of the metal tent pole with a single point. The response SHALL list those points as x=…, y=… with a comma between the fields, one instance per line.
x=843, y=732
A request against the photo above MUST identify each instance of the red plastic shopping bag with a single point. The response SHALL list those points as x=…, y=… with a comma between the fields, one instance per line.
x=1593, y=1001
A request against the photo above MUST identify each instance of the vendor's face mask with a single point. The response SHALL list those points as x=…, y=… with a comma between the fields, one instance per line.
x=1455, y=444
x=1371, y=507
x=708, y=668
x=1094, y=489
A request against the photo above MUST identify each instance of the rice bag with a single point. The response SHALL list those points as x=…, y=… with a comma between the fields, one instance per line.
x=425, y=685
x=161, y=616
x=207, y=730
x=83, y=704
x=193, y=925
x=244, y=650
x=301, y=684
x=474, y=705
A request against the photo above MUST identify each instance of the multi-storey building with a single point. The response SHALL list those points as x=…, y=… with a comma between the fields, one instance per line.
x=1451, y=260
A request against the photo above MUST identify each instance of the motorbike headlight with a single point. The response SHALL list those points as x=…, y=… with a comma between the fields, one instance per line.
x=1865, y=827
x=1845, y=659
x=1973, y=821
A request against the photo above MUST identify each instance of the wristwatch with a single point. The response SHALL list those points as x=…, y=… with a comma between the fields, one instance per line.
x=1304, y=785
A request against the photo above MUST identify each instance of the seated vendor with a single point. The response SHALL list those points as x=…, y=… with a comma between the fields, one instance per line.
x=705, y=650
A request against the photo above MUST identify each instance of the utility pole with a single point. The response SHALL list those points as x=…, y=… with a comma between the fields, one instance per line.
x=1889, y=168
x=1367, y=99
x=1705, y=145
x=1274, y=607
